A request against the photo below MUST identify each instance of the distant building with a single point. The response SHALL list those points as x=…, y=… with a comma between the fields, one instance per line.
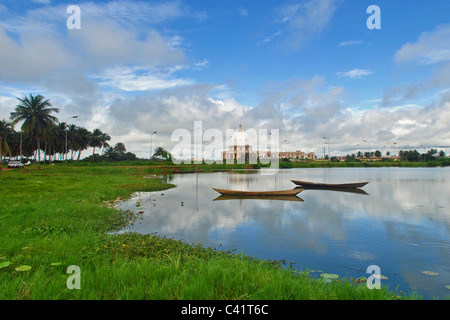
x=297, y=155
x=242, y=150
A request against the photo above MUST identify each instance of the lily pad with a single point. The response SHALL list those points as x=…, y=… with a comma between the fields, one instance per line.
x=23, y=268
x=4, y=264
x=430, y=273
x=447, y=287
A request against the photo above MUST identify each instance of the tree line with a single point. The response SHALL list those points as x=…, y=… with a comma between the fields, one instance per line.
x=41, y=131
x=414, y=155
x=403, y=155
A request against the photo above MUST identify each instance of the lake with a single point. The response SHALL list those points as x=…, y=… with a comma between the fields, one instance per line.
x=400, y=222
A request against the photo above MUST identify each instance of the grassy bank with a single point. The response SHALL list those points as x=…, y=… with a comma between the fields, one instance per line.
x=60, y=216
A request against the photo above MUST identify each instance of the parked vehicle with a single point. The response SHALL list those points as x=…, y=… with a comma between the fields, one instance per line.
x=15, y=164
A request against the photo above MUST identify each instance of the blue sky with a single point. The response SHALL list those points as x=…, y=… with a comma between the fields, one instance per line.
x=309, y=68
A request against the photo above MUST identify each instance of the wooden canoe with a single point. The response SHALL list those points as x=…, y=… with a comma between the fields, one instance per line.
x=290, y=192
x=282, y=198
x=329, y=185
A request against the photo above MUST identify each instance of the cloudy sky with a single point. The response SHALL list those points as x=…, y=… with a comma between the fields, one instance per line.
x=309, y=68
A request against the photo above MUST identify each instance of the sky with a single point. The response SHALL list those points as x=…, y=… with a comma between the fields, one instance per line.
x=308, y=68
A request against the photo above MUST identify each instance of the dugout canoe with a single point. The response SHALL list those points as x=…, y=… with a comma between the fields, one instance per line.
x=308, y=184
x=291, y=192
x=281, y=198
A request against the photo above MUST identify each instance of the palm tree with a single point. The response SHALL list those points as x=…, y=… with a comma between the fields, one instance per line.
x=109, y=152
x=71, y=131
x=81, y=141
x=104, y=138
x=160, y=151
x=13, y=141
x=6, y=129
x=96, y=141
x=60, y=146
x=119, y=148
x=35, y=112
x=54, y=138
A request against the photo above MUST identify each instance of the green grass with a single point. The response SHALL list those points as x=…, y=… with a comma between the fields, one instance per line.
x=60, y=216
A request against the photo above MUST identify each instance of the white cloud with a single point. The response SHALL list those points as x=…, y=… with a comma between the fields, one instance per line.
x=355, y=73
x=430, y=48
x=42, y=1
x=193, y=66
x=242, y=11
x=306, y=20
x=111, y=50
x=36, y=52
x=269, y=38
x=106, y=43
x=32, y=58
x=350, y=43
x=320, y=112
x=132, y=13
x=135, y=79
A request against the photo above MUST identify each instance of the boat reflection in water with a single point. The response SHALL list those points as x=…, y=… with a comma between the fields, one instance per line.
x=349, y=190
x=403, y=226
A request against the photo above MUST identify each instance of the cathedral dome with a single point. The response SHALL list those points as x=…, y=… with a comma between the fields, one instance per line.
x=240, y=138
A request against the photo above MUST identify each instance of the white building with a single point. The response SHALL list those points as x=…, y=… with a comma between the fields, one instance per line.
x=242, y=150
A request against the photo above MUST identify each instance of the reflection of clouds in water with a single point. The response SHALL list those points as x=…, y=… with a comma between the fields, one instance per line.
x=403, y=223
x=177, y=213
x=361, y=255
x=394, y=197
x=324, y=212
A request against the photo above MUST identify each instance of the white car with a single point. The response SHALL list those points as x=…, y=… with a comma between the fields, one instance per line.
x=15, y=164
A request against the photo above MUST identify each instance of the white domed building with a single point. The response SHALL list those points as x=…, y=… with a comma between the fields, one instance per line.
x=241, y=150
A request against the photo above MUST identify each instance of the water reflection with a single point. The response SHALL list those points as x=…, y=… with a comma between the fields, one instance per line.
x=400, y=221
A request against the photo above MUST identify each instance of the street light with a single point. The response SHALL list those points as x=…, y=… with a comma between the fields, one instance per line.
x=368, y=143
x=281, y=146
x=394, y=143
x=151, y=144
x=328, y=142
x=72, y=117
x=20, y=146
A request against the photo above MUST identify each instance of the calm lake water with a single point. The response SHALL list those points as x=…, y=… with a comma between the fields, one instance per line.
x=401, y=222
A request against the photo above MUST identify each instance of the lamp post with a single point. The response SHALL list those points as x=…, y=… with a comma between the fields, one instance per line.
x=328, y=142
x=20, y=145
x=394, y=149
x=282, y=155
x=72, y=117
x=394, y=143
x=151, y=144
x=369, y=148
